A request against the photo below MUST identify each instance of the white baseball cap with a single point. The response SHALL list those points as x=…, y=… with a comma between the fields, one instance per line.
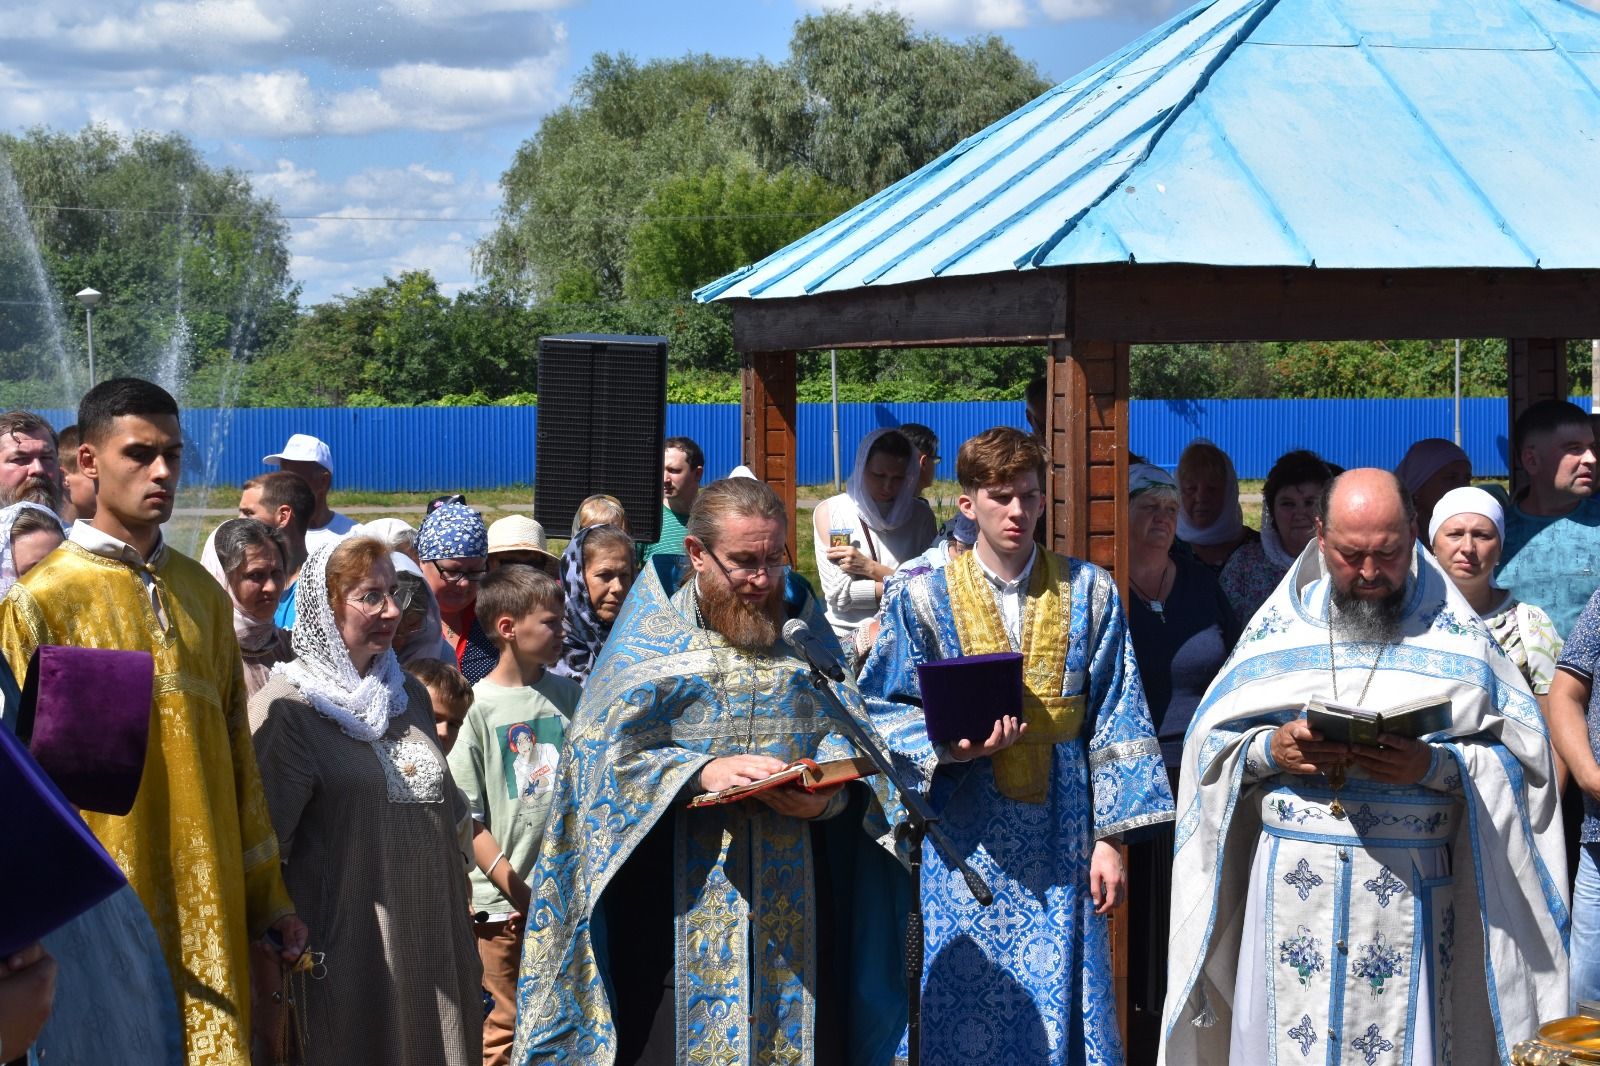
x=303, y=448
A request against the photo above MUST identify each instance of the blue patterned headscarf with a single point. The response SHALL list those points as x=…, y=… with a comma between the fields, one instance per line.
x=584, y=633
x=452, y=531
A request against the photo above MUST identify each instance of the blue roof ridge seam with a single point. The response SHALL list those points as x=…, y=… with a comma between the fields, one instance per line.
x=1561, y=49
x=935, y=201
x=1262, y=9
x=1461, y=171
x=1204, y=109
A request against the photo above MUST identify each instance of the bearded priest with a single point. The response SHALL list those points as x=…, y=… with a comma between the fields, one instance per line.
x=1398, y=901
x=760, y=931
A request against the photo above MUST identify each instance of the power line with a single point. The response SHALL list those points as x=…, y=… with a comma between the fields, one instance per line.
x=453, y=220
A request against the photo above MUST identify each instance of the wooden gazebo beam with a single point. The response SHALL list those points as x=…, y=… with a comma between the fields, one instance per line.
x=1175, y=303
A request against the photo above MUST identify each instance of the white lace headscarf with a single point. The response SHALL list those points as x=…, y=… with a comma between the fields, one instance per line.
x=8, y=555
x=360, y=706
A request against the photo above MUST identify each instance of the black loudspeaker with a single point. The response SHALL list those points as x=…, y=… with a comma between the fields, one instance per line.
x=602, y=419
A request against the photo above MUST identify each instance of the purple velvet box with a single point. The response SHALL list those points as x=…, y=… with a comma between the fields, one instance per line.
x=963, y=698
x=54, y=867
x=86, y=716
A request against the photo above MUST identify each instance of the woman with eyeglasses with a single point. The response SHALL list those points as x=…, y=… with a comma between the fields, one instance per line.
x=597, y=570
x=453, y=546
x=369, y=827
x=249, y=563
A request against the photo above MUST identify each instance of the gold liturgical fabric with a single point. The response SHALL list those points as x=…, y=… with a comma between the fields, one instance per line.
x=1022, y=771
x=198, y=846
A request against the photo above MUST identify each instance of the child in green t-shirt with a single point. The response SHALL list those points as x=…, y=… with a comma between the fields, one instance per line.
x=507, y=759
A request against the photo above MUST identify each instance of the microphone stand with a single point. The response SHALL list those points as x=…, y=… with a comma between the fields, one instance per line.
x=921, y=821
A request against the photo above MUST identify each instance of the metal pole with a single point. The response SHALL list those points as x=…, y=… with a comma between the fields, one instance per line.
x=1594, y=375
x=1458, y=392
x=833, y=372
x=88, y=314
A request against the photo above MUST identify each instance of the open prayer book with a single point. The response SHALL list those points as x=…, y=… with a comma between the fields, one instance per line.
x=1357, y=725
x=803, y=773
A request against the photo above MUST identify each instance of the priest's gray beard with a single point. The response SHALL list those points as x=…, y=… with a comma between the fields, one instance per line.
x=750, y=627
x=1374, y=621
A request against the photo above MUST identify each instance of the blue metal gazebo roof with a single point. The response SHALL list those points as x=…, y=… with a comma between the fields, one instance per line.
x=1358, y=134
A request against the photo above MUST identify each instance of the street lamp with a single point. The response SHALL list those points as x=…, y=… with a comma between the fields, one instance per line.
x=89, y=298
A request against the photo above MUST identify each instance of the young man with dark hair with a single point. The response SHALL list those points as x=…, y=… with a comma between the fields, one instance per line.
x=926, y=442
x=77, y=491
x=1038, y=802
x=286, y=503
x=198, y=846
x=682, y=465
x=1552, y=542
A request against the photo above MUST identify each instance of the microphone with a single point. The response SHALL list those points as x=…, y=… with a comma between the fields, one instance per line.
x=798, y=635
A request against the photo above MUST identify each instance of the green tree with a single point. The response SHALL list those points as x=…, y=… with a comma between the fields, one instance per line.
x=863, y=101
x=573, y=190
x=145, y=220
x=698, y=227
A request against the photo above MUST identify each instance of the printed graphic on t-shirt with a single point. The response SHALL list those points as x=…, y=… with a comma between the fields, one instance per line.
x=530, y=753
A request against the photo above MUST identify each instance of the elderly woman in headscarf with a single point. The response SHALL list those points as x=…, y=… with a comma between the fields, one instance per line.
x=248, y=562
x=863, y=534
x=1431, y=468
x=369, y=827
x=1288, y=522
x=1182, y=631
x=597, y=570
x=1210, y=519
x=28, y=532
x=1466, y=533
x=453, y=549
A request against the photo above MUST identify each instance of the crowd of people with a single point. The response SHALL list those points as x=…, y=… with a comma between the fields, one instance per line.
x=438, y=793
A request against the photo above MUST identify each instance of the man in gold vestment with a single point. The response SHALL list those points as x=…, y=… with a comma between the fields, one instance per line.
x=198, y=846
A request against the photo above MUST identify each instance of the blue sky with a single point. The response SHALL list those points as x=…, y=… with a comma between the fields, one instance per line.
x=373, y=114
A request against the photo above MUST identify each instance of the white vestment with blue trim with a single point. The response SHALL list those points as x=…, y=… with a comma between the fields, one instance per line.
x=1419, y=924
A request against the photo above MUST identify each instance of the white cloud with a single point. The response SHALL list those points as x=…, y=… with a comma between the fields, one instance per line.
x=378, y=222
x=1066, y=10
x=430, y=96
x=167, y=26
x=277, y=103
x=950, y=14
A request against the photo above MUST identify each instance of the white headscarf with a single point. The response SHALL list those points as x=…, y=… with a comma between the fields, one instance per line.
x=1228, y=526
x=904, y=506
x=360, y=706
x=8, y=557
x=253, y=634
x=1466, y=500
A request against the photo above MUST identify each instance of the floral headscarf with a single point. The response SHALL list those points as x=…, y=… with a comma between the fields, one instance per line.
x=452, y=531
x=584, y=633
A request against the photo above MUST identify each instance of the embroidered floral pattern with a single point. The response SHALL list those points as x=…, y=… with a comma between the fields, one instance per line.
x=1267, y=625
x=1371, y=1045
x=1302, y=953
x=1366, y=820
x=413, y=768
x=1377, y=963
x=1383, y=886
x=1303, y=878
x=1288, y=812
x=1304, y=1034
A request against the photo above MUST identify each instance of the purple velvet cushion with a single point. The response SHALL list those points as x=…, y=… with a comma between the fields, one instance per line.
x=54, y=867
x=963, y=698
x=90, y=710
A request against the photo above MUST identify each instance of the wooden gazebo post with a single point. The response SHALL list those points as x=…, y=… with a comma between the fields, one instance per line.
x=769, y=414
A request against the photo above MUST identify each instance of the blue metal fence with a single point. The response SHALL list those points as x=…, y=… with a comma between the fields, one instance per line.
x=393, y=449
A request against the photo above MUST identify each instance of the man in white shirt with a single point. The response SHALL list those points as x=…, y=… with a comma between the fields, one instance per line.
x=311, y=459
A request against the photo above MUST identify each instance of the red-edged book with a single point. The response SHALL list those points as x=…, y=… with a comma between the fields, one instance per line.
x=803, y=773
